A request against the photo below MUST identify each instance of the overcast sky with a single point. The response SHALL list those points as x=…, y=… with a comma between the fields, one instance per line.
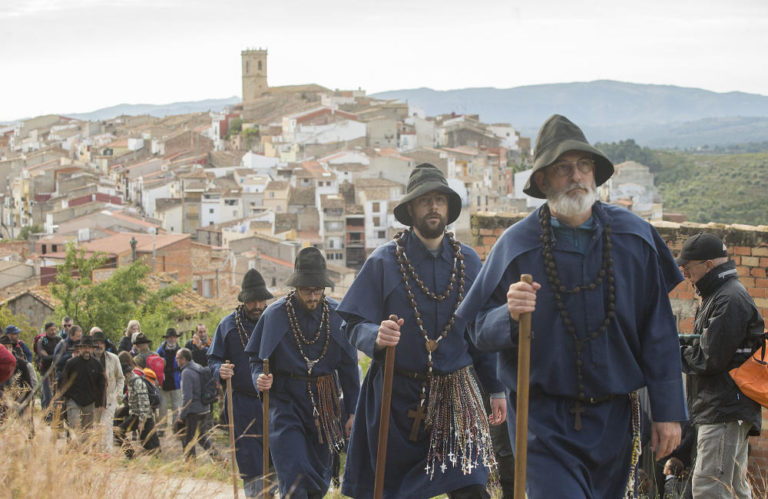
x=66, y=56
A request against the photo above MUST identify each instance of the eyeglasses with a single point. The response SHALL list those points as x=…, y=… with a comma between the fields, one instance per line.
x=311, y=291
x=687, y=266
x=67, y=325
x=565, y=168
x=427, y=201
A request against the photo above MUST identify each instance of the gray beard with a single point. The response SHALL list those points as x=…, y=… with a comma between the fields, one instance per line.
x=569, y=206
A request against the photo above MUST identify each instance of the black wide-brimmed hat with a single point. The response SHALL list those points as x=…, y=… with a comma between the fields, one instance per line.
x=309, y=271
x=171, y=332
x=253, y=288
x=141, y=338
x=84, y=341
x=98, y=336
x=424, y=179
x=559, y=135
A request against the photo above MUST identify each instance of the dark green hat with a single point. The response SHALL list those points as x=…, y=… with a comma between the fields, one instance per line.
x=559, y=135
x=309, y=270
x=424, y=179
x=84, y=341
x=253, y=288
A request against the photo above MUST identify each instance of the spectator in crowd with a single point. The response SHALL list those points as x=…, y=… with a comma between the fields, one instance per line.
x=83, y=383
x=674, y=482
x=20, y=349
x=126, y=342
x=65, y=350
x=731, y=328
x=136, y=413
x=21, y=382
x=193, y=413
x=110, y=364
x=66, y=323
x=170, y=385
x=46, y=346
x=199, y=345
x=7, y=365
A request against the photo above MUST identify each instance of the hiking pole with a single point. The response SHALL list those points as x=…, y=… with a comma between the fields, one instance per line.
x=231, y=425
x=265, y=430
x=523, y=379
x=386, y=403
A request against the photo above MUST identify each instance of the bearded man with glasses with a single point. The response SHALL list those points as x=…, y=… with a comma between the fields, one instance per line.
x=602, y=324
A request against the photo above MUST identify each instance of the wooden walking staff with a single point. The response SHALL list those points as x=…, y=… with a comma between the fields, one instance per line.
x=265, y=431
x=386, y=404
x=523, y=380
x=231, y=425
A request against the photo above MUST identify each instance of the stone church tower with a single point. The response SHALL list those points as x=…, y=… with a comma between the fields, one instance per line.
x=254, y=73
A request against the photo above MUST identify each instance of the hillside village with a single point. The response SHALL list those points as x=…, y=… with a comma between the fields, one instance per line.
x=204, y=197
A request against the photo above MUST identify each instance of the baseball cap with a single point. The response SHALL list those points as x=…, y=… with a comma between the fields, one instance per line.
x=702, y=246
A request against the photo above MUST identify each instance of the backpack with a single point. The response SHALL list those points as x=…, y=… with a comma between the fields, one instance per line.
x=157, y=364
x=153, y=392
x=209, y=393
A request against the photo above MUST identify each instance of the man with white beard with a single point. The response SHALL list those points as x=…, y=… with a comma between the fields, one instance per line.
x=602, y=325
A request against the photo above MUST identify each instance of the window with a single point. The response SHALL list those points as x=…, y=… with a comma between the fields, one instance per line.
x=376, y=206
x=376, y=221
x=210, y=211
x=54, y=249
x=259, y=65
x=382, y=234
x=271, y=194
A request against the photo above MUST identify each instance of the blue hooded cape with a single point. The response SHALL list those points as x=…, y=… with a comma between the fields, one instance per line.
x=301, y=462
x=640, y=347
x=376, y=293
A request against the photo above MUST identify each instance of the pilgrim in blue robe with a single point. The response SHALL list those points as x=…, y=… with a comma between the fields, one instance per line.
x=640, y=347
x=377, y=292
x=302, y=463
x=246, y=405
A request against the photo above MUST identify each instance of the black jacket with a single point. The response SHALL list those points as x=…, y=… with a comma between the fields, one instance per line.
x=730, y=327
x=84, y=381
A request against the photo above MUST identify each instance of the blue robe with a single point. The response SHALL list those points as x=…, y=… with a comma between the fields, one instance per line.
x=640, y=348
x=301, y=462
x=246, y=405
x=377, y=292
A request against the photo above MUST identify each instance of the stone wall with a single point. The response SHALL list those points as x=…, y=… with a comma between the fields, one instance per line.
x=747, y=247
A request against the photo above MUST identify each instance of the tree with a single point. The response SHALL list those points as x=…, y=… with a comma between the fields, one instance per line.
x=111, y=303
x=628, y=150
x=28, y=230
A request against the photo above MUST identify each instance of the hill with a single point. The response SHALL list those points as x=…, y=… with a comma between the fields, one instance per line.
x=654, y=115
x=706, y=187
x=158, y=110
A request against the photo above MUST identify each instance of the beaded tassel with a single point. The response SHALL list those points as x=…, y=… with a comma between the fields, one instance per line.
x=636, y=447
x=460, y=436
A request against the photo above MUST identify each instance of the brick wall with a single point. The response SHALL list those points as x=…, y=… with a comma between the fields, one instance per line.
x=747, y=247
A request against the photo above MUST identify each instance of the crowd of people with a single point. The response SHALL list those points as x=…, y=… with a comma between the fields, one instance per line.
x=605, y=363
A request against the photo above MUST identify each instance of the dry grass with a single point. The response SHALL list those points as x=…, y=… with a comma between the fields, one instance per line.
x=45, y=464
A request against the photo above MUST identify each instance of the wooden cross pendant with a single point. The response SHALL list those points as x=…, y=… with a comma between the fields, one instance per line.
x=418, y=416
x=577, y=409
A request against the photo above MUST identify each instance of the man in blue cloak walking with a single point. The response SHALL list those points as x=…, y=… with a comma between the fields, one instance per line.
x=602, y=324
x=438, y=431
x=309, y=360
x=228, y=344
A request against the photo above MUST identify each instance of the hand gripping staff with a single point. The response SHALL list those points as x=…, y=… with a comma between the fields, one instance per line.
x=231, y=427
x=265, y=430
x=523, y=380
x=386, y=403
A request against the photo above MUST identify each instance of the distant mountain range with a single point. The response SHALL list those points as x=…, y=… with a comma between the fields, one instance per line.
x=608, y=111
x=159, y=110
x=654, y=115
